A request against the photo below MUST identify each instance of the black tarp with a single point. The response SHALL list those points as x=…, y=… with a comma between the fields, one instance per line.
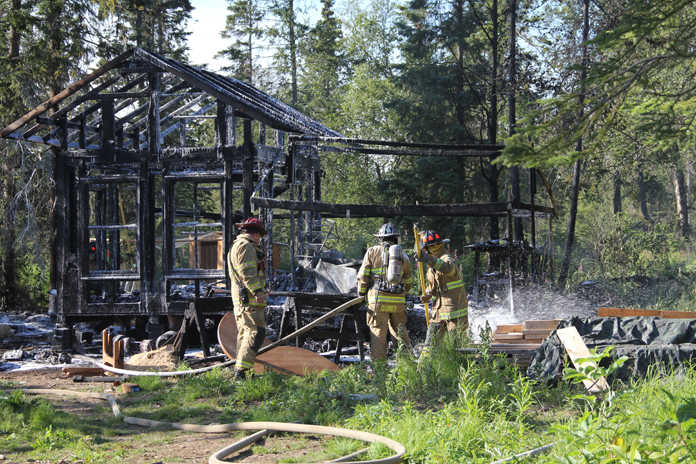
x=646, y=341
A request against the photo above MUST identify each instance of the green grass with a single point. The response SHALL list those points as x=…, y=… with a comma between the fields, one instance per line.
x=449, y=409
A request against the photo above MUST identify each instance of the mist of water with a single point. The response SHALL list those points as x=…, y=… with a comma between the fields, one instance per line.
x=531, y=302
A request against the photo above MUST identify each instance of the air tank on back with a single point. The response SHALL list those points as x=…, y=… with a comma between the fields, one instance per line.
x=395, y=269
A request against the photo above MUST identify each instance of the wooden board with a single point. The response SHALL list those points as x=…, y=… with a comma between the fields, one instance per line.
x=631, y=312
x=536, y=333
x=514, y=346
x=508, y=336
x=282, y=359
x=89, y=371
x=547, y=325
x=520, y=341
x=507, y=328
x=576, y=349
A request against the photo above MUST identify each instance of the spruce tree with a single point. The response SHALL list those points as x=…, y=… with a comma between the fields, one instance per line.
x=244, y=28
x=324, y=67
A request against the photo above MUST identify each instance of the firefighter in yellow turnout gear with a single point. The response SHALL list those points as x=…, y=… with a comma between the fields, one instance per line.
x=445, y=286
x=245, y=262
x=385, y=288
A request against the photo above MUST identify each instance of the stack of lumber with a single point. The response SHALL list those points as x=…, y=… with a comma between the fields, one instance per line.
x=528, y=333
x=520, y=340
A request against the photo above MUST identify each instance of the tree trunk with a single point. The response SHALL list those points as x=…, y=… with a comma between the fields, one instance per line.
x=160, y=28
x=293, y=50
x=459, y=57
x=618, y=207
x=250, y=49
x=512, y=117
x=570, y=237
x=9, y=234
x=681, y=199
x=643, y=196
x=13, y=33
x=493, y=171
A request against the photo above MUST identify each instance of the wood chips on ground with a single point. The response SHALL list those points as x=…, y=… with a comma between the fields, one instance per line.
x=161, y=359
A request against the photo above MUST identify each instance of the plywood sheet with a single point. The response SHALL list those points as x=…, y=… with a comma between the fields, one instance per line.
x=282, y=359
x=576, y=349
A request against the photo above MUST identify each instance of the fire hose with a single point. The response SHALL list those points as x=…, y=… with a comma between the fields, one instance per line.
x=262, y=427
x=201, y=370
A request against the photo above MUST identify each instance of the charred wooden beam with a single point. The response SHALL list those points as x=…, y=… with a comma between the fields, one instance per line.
x=248, y=169
x=59, y=230
x=90, y=109
x=114, y=226
x=111, y=275
x=119, y=156
x=121, y=95
x=390, y=143
x=168, y=239
x=107, y=133
x=196, y=176
x=42, y=120
x=190, y=152
x=143, y=108
x=429, y=152
x=258, y=105
x=195, y=116
x=83, y=237
x=356, y=210
x=191, y=274
x=65, y=93
x=150, y=300
x=137, y=66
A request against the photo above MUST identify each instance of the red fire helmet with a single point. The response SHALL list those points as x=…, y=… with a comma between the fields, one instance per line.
x=252, y=225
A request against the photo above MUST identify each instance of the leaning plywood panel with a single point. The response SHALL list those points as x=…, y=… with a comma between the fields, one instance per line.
x=577, y=350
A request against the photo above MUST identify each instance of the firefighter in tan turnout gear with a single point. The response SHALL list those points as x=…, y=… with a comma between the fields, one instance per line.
x=385, y=278
x=444, y=285
x=245, y=262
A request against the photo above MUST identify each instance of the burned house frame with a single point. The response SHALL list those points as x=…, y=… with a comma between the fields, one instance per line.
x=119, y=139
x=128, y=186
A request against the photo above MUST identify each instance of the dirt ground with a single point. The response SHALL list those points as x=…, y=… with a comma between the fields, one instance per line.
x=156, y=446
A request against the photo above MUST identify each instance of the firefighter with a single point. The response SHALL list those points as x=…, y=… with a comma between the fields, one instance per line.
x=444, y=285
x=384, y=279
x=245, y=263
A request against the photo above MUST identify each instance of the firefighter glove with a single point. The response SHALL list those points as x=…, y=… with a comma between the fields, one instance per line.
x=425, y=258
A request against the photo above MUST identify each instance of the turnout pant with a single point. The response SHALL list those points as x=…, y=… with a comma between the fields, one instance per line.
x=380, y=323
x=251, y=330
x=460, y=323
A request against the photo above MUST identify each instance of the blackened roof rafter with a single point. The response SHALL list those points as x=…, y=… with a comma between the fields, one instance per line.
x=115, y=76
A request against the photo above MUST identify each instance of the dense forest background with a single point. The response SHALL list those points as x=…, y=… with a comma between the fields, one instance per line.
x=595, y=97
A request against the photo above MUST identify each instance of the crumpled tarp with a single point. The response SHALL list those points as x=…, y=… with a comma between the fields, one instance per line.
x=646, y=341
x=332, y=278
